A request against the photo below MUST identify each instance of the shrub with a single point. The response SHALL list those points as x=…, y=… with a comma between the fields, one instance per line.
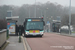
x=3, y=24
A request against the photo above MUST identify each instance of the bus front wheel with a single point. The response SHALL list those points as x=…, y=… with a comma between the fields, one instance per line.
x=25, y=35
x=40, y=35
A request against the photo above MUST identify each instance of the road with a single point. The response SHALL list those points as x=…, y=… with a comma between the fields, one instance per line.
x=51, y=41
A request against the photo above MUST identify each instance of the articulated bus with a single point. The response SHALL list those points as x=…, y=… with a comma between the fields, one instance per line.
x=34, y=27
x=56, y=26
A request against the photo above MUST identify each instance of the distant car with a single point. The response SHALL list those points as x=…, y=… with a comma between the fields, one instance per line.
x=66, y=28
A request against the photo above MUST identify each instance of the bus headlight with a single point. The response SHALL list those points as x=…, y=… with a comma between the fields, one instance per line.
x=27, y=32
x=41, y=32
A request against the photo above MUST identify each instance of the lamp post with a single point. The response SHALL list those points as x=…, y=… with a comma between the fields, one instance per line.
x=69, y=17
x=51, y=21
x=45, y=18
x=45, y=14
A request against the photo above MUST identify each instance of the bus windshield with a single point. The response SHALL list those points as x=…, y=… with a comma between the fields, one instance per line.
x=34, y=26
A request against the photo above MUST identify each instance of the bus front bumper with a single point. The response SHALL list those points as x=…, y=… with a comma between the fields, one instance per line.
x=34, y=34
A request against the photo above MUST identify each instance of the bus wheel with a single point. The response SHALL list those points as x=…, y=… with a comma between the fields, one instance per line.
x=25, y=35
x=40, y=36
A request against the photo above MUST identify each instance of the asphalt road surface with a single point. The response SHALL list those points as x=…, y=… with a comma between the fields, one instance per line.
x=51, y=41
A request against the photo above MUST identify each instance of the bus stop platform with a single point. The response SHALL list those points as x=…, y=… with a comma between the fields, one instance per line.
x=14, y=43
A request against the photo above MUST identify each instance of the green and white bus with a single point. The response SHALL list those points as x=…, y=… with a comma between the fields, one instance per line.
x=34, y=27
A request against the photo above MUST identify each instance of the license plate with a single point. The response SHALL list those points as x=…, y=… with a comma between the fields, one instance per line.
x=34, y=31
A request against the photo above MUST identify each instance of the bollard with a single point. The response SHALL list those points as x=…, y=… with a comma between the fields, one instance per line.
x=19, y=39
x=7, y=34
x=19, y=36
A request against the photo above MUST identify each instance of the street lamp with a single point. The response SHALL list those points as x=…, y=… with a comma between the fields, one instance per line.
x=69, y=17
x=45, y=13
x=45, y=18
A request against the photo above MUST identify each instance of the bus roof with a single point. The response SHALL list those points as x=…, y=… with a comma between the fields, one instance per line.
x=33, y=19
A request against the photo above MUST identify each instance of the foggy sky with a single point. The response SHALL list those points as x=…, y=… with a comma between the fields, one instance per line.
x=21, y=2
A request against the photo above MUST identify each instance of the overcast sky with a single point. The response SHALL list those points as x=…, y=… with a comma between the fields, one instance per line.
x=21, y=2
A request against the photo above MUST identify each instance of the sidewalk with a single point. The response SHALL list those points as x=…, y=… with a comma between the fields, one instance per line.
x=14, y=44
x=71, y=35
x=64, y=34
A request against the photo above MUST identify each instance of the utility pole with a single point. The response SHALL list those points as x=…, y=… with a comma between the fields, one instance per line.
x=45, y=16
x=70, y=17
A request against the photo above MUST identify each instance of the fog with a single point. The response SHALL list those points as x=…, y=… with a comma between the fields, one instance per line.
x=21, y=2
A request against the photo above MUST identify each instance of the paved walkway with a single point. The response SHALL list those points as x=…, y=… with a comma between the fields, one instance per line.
x=73, y=34
x=66, y=34
x=14, y=44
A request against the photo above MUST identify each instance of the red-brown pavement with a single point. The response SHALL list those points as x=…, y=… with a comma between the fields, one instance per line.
x=51, y=42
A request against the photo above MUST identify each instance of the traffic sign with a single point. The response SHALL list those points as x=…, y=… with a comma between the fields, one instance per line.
x=47, y=22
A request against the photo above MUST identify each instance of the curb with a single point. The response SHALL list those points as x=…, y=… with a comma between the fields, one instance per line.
x=67, y=35
x=63, y=34
x=4, y=46
x=26, y=45
x=25, y=48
